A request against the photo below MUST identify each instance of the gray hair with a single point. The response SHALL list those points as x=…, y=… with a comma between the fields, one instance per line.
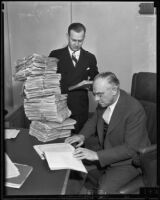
x=111, y=78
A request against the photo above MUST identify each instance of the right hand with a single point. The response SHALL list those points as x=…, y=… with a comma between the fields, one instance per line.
x=75, y=139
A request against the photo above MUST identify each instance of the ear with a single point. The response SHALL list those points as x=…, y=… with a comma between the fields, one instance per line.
x=114, y=90
x=67, y=36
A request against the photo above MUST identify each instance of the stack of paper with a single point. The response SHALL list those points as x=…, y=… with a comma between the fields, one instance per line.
x=34, y=65
x=60, y=156
x=43, y=101
x=42, y=86
x=46, y=131
x=49, y=108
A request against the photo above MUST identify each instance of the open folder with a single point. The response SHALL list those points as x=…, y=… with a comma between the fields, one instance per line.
x=60, y=156
x=82, y=85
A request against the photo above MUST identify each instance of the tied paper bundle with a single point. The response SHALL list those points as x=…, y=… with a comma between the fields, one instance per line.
x=42, y=85
x=35, y=65
x=46, y=131
x=51, y=108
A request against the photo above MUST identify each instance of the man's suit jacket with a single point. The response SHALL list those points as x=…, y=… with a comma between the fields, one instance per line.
x=126, y=132
x=86, y=67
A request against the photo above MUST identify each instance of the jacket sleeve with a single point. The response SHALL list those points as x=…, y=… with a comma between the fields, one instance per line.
x=90, y=126
x=93, y=68
x=52, y=54
x=135, y=136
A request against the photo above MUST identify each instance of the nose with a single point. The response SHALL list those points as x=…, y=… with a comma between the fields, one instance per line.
x=77, y=43
x=96, y=97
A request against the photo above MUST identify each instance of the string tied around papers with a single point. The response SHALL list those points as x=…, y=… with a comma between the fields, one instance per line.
x=43, y=117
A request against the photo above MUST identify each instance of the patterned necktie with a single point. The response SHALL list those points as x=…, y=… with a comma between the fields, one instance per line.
x=74, y=58
x=105, y=127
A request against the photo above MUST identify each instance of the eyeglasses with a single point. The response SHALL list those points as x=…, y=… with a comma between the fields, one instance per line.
x=99, y=94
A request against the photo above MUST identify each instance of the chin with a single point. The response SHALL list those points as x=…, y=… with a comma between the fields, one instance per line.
x=102, y=105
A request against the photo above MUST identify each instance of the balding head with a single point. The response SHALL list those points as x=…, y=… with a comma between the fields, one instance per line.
x=106, y=88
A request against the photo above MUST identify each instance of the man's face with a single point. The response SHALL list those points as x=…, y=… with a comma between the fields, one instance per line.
x=104, y=92
x=75, y=40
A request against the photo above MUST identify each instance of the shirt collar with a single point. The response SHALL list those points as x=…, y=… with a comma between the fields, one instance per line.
x=77, y=53
x=112, y=106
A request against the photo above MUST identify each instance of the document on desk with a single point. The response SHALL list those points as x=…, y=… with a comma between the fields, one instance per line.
x=60, y=156
x=10, y=168
x=11, y=133
x=18, y=181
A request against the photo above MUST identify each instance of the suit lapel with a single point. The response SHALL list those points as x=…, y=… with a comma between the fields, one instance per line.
x=100, y=125
x=68, y=58
x=81, y=60
x=116, y=115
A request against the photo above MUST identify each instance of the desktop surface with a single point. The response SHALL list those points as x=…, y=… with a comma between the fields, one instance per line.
x=42, y=180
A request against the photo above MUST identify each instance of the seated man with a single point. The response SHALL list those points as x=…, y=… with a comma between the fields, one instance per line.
x=120, y=123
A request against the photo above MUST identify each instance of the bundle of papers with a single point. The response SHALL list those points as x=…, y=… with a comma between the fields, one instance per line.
x=42, y=86
x=60, y=156
x=50, y=108
x=47, y=131
x=34, y=65
x=45, y=137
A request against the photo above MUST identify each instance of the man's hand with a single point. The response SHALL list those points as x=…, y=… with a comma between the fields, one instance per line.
x=75, y=139
x=82, y=153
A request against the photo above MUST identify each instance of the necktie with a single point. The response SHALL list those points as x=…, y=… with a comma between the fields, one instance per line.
x=74, y=58
x=106, y=114
x=105, y=127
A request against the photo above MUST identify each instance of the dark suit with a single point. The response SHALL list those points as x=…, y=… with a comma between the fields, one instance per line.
x=125, y=135
x=86, y=67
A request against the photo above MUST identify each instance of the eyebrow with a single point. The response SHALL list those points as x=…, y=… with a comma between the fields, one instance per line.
x=98, y=93
x=78, y=40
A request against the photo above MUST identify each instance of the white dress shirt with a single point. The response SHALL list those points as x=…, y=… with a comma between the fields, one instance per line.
x=76, y=53
x=109, y=111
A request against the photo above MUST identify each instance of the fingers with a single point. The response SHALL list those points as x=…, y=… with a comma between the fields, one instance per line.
x=79, y=153
x=71, y=140
x=79, y=144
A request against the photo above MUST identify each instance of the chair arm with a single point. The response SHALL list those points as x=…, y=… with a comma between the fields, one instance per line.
x=147, y=149
x=16, y=118
x=133, y=186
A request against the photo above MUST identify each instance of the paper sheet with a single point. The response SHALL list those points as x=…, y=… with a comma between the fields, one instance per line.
x=11, y=133
x=11, y=169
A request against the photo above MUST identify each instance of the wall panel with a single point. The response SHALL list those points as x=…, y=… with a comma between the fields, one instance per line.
x=34, y=27
x=113, y=37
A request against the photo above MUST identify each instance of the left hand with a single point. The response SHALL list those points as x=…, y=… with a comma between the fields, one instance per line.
x=83, y=153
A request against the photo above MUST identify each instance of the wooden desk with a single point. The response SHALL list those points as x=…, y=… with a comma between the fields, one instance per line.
x=42, y=180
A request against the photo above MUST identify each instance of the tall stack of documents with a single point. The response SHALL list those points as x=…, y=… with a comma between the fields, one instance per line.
x=43, y=101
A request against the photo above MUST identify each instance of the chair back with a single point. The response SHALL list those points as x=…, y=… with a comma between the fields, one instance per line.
x=144, y=89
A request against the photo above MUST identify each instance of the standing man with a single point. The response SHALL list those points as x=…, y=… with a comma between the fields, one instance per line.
x=120, y=123
x=76, y=65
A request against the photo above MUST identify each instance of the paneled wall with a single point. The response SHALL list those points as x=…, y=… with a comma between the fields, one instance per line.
x=122, y=40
